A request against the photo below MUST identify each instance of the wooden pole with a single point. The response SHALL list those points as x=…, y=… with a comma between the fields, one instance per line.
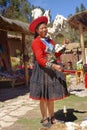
x=25, y=62
x=82, y=43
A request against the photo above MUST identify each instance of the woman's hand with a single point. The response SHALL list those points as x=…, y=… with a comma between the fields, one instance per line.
x=57, y=67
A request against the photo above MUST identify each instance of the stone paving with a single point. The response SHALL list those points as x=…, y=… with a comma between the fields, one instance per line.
x=12, y=109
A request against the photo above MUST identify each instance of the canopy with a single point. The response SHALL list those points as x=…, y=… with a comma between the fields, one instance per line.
x=79, y=18
x=13, y=25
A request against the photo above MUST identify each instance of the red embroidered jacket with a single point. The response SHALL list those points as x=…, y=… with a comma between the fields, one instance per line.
x=39, y=50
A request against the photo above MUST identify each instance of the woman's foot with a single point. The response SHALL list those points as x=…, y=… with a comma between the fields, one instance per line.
x=46, y=123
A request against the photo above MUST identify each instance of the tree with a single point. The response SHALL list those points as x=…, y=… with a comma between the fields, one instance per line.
x=25, y=9
x=77, y=9
x=82, y=8
x=16, y=9
x=3, y=6
x=13, y=9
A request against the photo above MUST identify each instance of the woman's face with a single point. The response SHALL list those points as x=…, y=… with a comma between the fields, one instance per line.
x=42, y=30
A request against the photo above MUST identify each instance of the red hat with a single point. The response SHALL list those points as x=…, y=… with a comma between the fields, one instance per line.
x=35, y=22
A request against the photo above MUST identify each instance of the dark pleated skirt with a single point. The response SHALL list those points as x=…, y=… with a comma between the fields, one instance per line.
x=47, y=84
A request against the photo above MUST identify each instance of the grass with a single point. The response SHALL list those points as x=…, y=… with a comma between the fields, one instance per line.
x=71, y=102
x=30, y=123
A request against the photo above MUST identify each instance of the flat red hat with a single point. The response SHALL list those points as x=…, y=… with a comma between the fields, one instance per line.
x=35, y=22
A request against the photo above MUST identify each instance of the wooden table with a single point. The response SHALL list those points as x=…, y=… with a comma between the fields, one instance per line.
x=12, y=81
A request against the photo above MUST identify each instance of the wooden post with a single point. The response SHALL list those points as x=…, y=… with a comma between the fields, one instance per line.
x=82, y=43
x=25, y=63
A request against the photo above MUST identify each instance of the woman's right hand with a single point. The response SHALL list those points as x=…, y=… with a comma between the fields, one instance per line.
x=57, y=67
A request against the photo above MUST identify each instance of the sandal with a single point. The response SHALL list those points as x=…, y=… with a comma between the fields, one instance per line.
x=42, y=121
x=46, y=124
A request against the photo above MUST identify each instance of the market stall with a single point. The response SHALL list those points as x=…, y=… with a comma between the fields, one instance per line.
x=10, y=25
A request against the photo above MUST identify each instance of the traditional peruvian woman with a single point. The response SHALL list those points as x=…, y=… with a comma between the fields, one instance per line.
x=47, y=82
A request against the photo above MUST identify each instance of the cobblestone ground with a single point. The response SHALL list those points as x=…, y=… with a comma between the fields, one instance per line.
x=14, y=103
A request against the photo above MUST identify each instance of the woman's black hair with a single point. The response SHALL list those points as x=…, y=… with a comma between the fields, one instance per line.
x=36, y=34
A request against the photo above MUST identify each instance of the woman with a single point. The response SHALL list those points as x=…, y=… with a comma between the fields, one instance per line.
x=47, y=82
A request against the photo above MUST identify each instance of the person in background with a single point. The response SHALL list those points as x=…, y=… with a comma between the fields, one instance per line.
x=70, y=67
x=47, y=82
